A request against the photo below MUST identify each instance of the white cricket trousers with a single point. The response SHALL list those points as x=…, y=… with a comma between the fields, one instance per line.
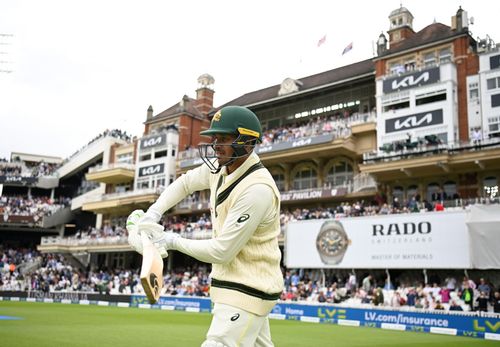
x=234, y=327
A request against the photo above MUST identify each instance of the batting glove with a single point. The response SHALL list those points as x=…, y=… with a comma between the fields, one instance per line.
x=150, y=216
x=163, y=241
x=134, y=238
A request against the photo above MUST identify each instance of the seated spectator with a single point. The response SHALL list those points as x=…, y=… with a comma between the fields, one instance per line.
x=496, y=302
x=484, y=287
x=445, y=295
x=438, y=305
x=482, y=302
x=455, y=307
x=438, y=206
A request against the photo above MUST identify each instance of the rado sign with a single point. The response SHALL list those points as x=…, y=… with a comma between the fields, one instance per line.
x=401, y=229
x=154, y=141
x=418, y=78
x=414, y=121
x=151, y=170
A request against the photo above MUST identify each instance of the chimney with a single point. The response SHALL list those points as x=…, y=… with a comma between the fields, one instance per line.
x=205, y=94
x=462, y=20
x=381, y=44
x=149, y=113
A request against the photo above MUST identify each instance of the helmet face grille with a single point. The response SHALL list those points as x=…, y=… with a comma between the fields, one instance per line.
x=239, y=148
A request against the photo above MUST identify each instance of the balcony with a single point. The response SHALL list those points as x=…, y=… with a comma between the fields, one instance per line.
x=331, y=136
x=112, y=173
x=58, y=244
x=432, y=160
x=361, y=185
x=121, y=203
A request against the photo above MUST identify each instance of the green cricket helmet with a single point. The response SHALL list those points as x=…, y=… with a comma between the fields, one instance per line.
x=238, y=121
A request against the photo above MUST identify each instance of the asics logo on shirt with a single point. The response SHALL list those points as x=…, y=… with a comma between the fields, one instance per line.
x=235, y=317
x=243, y=218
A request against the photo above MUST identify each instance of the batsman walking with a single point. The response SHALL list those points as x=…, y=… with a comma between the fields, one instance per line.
x=246, y=279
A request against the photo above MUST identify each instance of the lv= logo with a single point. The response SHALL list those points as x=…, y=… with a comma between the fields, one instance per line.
x=330, y=313
x=493, y=327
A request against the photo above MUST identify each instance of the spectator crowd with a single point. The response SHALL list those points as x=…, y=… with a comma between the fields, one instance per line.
x=52, y=273
x=116, y=133
x=35, y=207
x=450, y=294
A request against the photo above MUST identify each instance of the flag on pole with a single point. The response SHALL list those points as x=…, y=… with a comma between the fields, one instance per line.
x=321, y=41
x=347, y=49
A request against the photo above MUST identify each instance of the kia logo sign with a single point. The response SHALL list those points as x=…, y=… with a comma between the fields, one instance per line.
x=301, y=143
x=414, y=121
x=151, y=170
x=154, y=141
x=411, y=80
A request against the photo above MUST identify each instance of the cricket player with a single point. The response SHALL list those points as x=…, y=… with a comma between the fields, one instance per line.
x=246, y=279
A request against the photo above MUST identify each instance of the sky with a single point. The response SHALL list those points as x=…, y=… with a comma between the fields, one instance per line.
x=82, y=66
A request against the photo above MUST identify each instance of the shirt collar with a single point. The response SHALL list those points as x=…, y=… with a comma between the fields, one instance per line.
x=252, y=159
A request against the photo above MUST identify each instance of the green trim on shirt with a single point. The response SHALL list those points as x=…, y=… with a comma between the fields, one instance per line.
x=225, y=193
x=245, y=289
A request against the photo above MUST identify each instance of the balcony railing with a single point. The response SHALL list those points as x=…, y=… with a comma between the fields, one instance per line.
x=310, y=134
x=121, y=195
x=420, y=150
x=363, y=181
x=98, y=168
x=74, y=242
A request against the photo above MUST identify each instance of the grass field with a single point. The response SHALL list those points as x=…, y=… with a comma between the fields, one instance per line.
x=42, y=324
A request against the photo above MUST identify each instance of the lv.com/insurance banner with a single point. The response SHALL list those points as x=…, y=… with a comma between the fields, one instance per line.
x=448, y=324
x=416, y=240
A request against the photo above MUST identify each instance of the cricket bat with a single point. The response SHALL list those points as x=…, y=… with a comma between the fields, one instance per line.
x=151, y=270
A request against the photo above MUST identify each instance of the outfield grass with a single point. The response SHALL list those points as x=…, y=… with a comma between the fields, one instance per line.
x=44, y=324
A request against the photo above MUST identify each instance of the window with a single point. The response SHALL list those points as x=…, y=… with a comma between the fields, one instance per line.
x=473, y=91
x=495, y=100
x=161, y=154
x=145, y=157
x=473, y=94
x=433, y=192
x=493, y=83
x=125, y=158
x=430, y=99
x=450, y=190
x=490, y=187
x=429, y=59
x=340, y=174
x=411, y=192
x=396, y=68
x=117, y=260
x=160, y=182
x=280, y=181
x=410, y=65
x=173, y=152
x=122, y=188
x=305, y=179
x=444, y=55
x=397, y=193
x=494, y=124
x=143, y=184
x=400, y=105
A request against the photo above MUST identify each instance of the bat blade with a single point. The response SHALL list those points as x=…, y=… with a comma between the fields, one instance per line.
x=151, y=270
